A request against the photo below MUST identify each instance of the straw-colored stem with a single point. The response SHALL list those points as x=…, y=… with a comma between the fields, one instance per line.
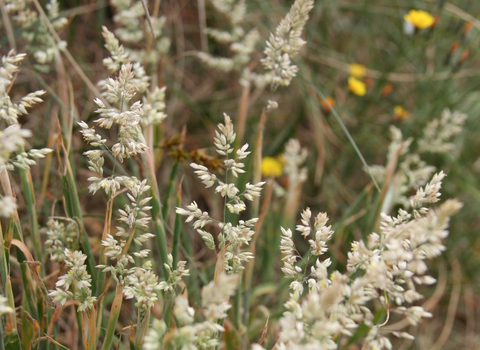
x=389, y=175
x=202, y=23
x=142, y=328
x=130, y=239
x=157, y=217
x=242, y=114
x=92, y=336
x=177, y=229
x=101, y=285
x=257, y=160
x=106, y=229
x=113, y=319
x=251, y=264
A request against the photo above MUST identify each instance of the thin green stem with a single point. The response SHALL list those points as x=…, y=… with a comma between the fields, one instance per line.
x=1, y=335
x=345, y=130
x=29, y=195
x=170, y=188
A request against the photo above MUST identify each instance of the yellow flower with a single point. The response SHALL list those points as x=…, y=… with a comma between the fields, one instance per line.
x=400, y=113
x=356, y=86
x=271, y=167
x=420, y=19
x=357, y=70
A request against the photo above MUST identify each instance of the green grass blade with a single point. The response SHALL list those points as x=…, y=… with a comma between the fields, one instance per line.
x=11, y=302
x=158, y=223
x=29, y=195
x=345, y=130
x=72, y=202
x=157, y=216
x=12, y=341
x=170, y=189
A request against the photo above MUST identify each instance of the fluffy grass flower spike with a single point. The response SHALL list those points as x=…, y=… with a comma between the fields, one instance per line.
x=413, y=171
x=61, y=238
x=133, y=28
x=12, y=137
x=138, y=282
x=144, y=235
x=241, y=42
x=40, y=43
x=76, y=284
x=189, y=333
x=232, y=236
x=286, y=43
x=387, y=267
x=440, y=132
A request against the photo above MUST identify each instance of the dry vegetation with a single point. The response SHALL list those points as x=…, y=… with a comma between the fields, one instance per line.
x=353, y=112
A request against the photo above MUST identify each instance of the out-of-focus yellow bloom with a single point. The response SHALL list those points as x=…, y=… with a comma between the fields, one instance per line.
x=271, y=167
x=357, y=70
x=420, y=19
x=400, y=113
x=356, y=86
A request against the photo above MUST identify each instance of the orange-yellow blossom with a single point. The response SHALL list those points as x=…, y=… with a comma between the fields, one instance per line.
x=271, y=167
x=420, y=19
x=357, y=87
